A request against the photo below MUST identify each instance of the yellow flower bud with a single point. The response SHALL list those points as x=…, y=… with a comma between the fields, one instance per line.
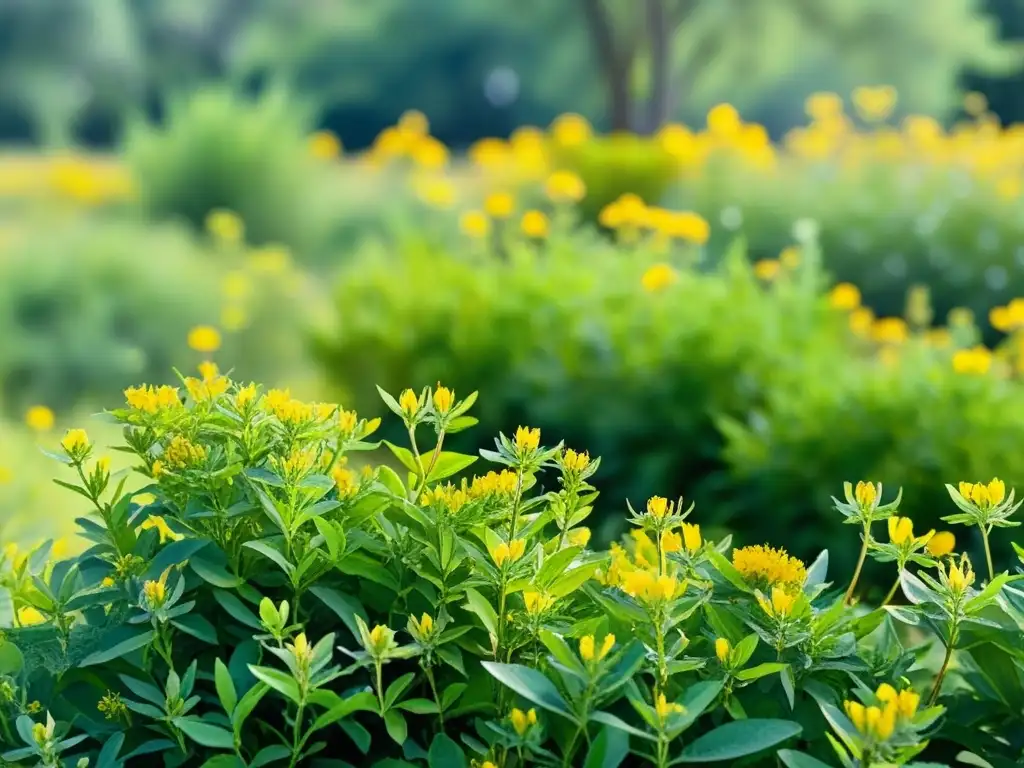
x=907, y=703
x=722, y=649
x=39, y=734
x=521, y=721
x=885, y=693
x=75, y=442
x=671, y=542
x=901, y=530
x=855, y=711
x=606, y=646
x=575, y=462
x=942, y=543
x=443, y=399
x=866, y=493
x=657, y=507
x=527, y=439
x=408, y=402
x=691, y=537
x=587, y=647
x=665, y=709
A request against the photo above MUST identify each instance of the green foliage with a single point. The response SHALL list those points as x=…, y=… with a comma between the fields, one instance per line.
x=88, y=307
x=611, y=166
x=718, y=387
x=263, y=603
x=218, y=150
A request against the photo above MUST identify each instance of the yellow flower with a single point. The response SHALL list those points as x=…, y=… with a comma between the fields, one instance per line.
x=324, y=145
x=960, y=576
x=907, y=703
x=40, y=734
x=823, y=106
x=475, y=224
x=380, y=638
x=671, y=542
x=866, y=493
x=780, y=605
x=408, y=402
x=225, y=226
x=874, y=103
x=767, y=269
x=606, y=646
x=862, y=320
x=439, y=193
x=29, y=616
x=443, y=399
x=658, y=507
x=151, y=400
x=346, y=481
x=724, y=121
x=890, y=330
x=844, y=296
x=157, y=522
x=982, y=495
x=766, y=566
x=270, y=259
x=901, y=530
x=112, y=706
x=39, y=418
x=587, y=647
x=181, y=453
x=665, y=709
x=658, y=277
x=425, y=624
x=977, y=360
x=499, y=205
x=155, y=593
x=685, y=225
x=691, y=536
x=204, y=338
x=575, y=462
x=508, y=553
x=942, y=543
x=570, y=130
x=722, y=649
x=579, y=537
x=885, y=693
x=527, y=439
x=300, y=648
x=521, y=721
x=534, y=224
x=75, y=442
x=537, y=602
x=565, y=187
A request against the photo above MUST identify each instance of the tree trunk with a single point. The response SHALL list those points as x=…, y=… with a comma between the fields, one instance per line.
x=614, y=64
x=659, y=34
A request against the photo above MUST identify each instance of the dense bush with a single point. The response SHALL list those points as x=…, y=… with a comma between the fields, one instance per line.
x=217, y=150
x=88, y=306
x=222, y=615
x=716, y=384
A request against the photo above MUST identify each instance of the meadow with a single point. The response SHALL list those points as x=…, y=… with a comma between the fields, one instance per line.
x=751, y=412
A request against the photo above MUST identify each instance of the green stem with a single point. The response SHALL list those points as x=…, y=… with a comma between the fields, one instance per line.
x=515, y=505
x=988, y=551
x=437, y=699
x=892, y=592
x=951, y=643
x=380, y=687
x=860, y=563
x=296, y=736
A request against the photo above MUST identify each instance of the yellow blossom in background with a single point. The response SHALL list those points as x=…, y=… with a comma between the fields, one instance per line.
x=658, y=277
x=823, y=106
x=413, y=123
x=324, y=145
x=436, y=192
x=29, y=616
x=270, y=259
x=565, y=187
x=723, y=121
x=225, y=226
x=941, y=544
x=236, y=285
x=862, y=321
x=686, y=226
x=534, y=224
x=39, y=418
x=767, y=566
x=204, y=338
x=767, y=269
x=499, y=205
x=628, y=212
x=1008, y=187
x=429, y=153
x=874, y=103
x=844, y=296
x=475, y=224
x=976, y=360
x=571, y=130
x=790, y=257
x=234, y=318
x=890, y=330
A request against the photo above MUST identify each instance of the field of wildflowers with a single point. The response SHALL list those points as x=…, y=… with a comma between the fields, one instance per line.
x=731, y=323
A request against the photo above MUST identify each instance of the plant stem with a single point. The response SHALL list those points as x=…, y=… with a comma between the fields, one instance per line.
x=296, y=736
x=437, y=699
x=942, y=671
x=892, y=592
x=380, y=688
x=988, y=551
x=860, y=563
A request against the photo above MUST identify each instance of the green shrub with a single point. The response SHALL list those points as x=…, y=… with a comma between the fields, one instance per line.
x=217, y=150
x=649, y=380
x=226, y=619
x=614, y=165
x=89, y=306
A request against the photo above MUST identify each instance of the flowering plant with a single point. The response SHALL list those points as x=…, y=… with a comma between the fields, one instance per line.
x=268, y=598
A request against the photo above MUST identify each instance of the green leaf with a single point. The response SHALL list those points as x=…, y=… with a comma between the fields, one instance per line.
x=236, y=609
x=449, y=464
x=119, y=649
x=397, y=688
x=445, y=753
x=204, y=734
x=609, y=749
x=247, y=704
x=225, y=686
x=728, y=570
x=360, y=702
x=697, y=698
x=405, y=456
x=345, y=606
x=793, y=759
x=917, y=591
x=744, y=649
x=11, y=658
x=278, y=680
x=266, y=549
x=270, y=754
x=988, y=594
x=197, y=626
x=478, y=605
x=607, y=718
x=761, y=670
x=738, y=739
x=211, y=568
x=531, y=685
x=419, y=706
x=396, y=726
x=818, y=571
x=224, y=761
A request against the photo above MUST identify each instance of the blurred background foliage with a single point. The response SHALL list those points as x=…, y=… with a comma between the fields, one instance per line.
x=252, y=167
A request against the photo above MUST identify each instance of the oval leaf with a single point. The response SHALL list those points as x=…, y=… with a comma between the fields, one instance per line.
x=738, y=739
